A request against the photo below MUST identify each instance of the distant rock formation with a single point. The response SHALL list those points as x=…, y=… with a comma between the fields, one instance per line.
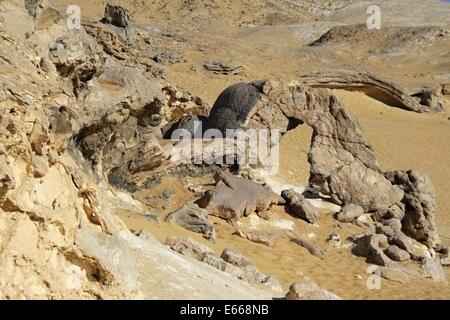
x=380, y=89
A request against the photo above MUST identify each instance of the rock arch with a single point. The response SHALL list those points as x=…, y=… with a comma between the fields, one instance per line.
x=342, y=163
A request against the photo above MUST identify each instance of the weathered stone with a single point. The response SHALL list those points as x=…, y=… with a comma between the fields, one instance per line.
x=403, y=242
x=395, y=225
x=372, y=247
x=235, y=258
x=432, y=268
x=187, y=246
x=308, y=290
x=432, y=98
x=365, y=220
x=219, y=264
x=234, y=197
x=380, y=89
x=116, y=15
x=193, y=218
x=394, y=274
x=311, y=247
x=397, y=254
x=297, y=205
x=420, y=206
x=168, y=57
x=261, y=237
x=349, y=213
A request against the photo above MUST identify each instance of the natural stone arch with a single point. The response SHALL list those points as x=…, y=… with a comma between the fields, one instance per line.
x=342, y=163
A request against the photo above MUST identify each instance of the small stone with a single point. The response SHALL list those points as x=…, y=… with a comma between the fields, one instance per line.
x=261, y=237
x=349, y=213
x=168, y=57
x=308, y=290
x=397, y=254
x=188, y=247
x=235, y=258
x=311, y=247
x=365, y=220
x=394, y=274
x=193, y=218
x=168, y=193
x=297, y=205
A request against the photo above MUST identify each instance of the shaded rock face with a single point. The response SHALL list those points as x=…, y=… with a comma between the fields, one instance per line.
x=349, y=213
x=232, y=107
x=235, y=197
x=420, y=206
x=188, y=247
x=343, y=165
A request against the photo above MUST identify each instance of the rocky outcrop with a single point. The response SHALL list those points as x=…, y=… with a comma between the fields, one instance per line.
x=372, y=247
x=375, y=87
x=349, y=213
x=420, y=206
x=116, y=15
x=261, y=237
x=225, y=67
x=313, y=248
x=342, y=163
x=234, y=197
